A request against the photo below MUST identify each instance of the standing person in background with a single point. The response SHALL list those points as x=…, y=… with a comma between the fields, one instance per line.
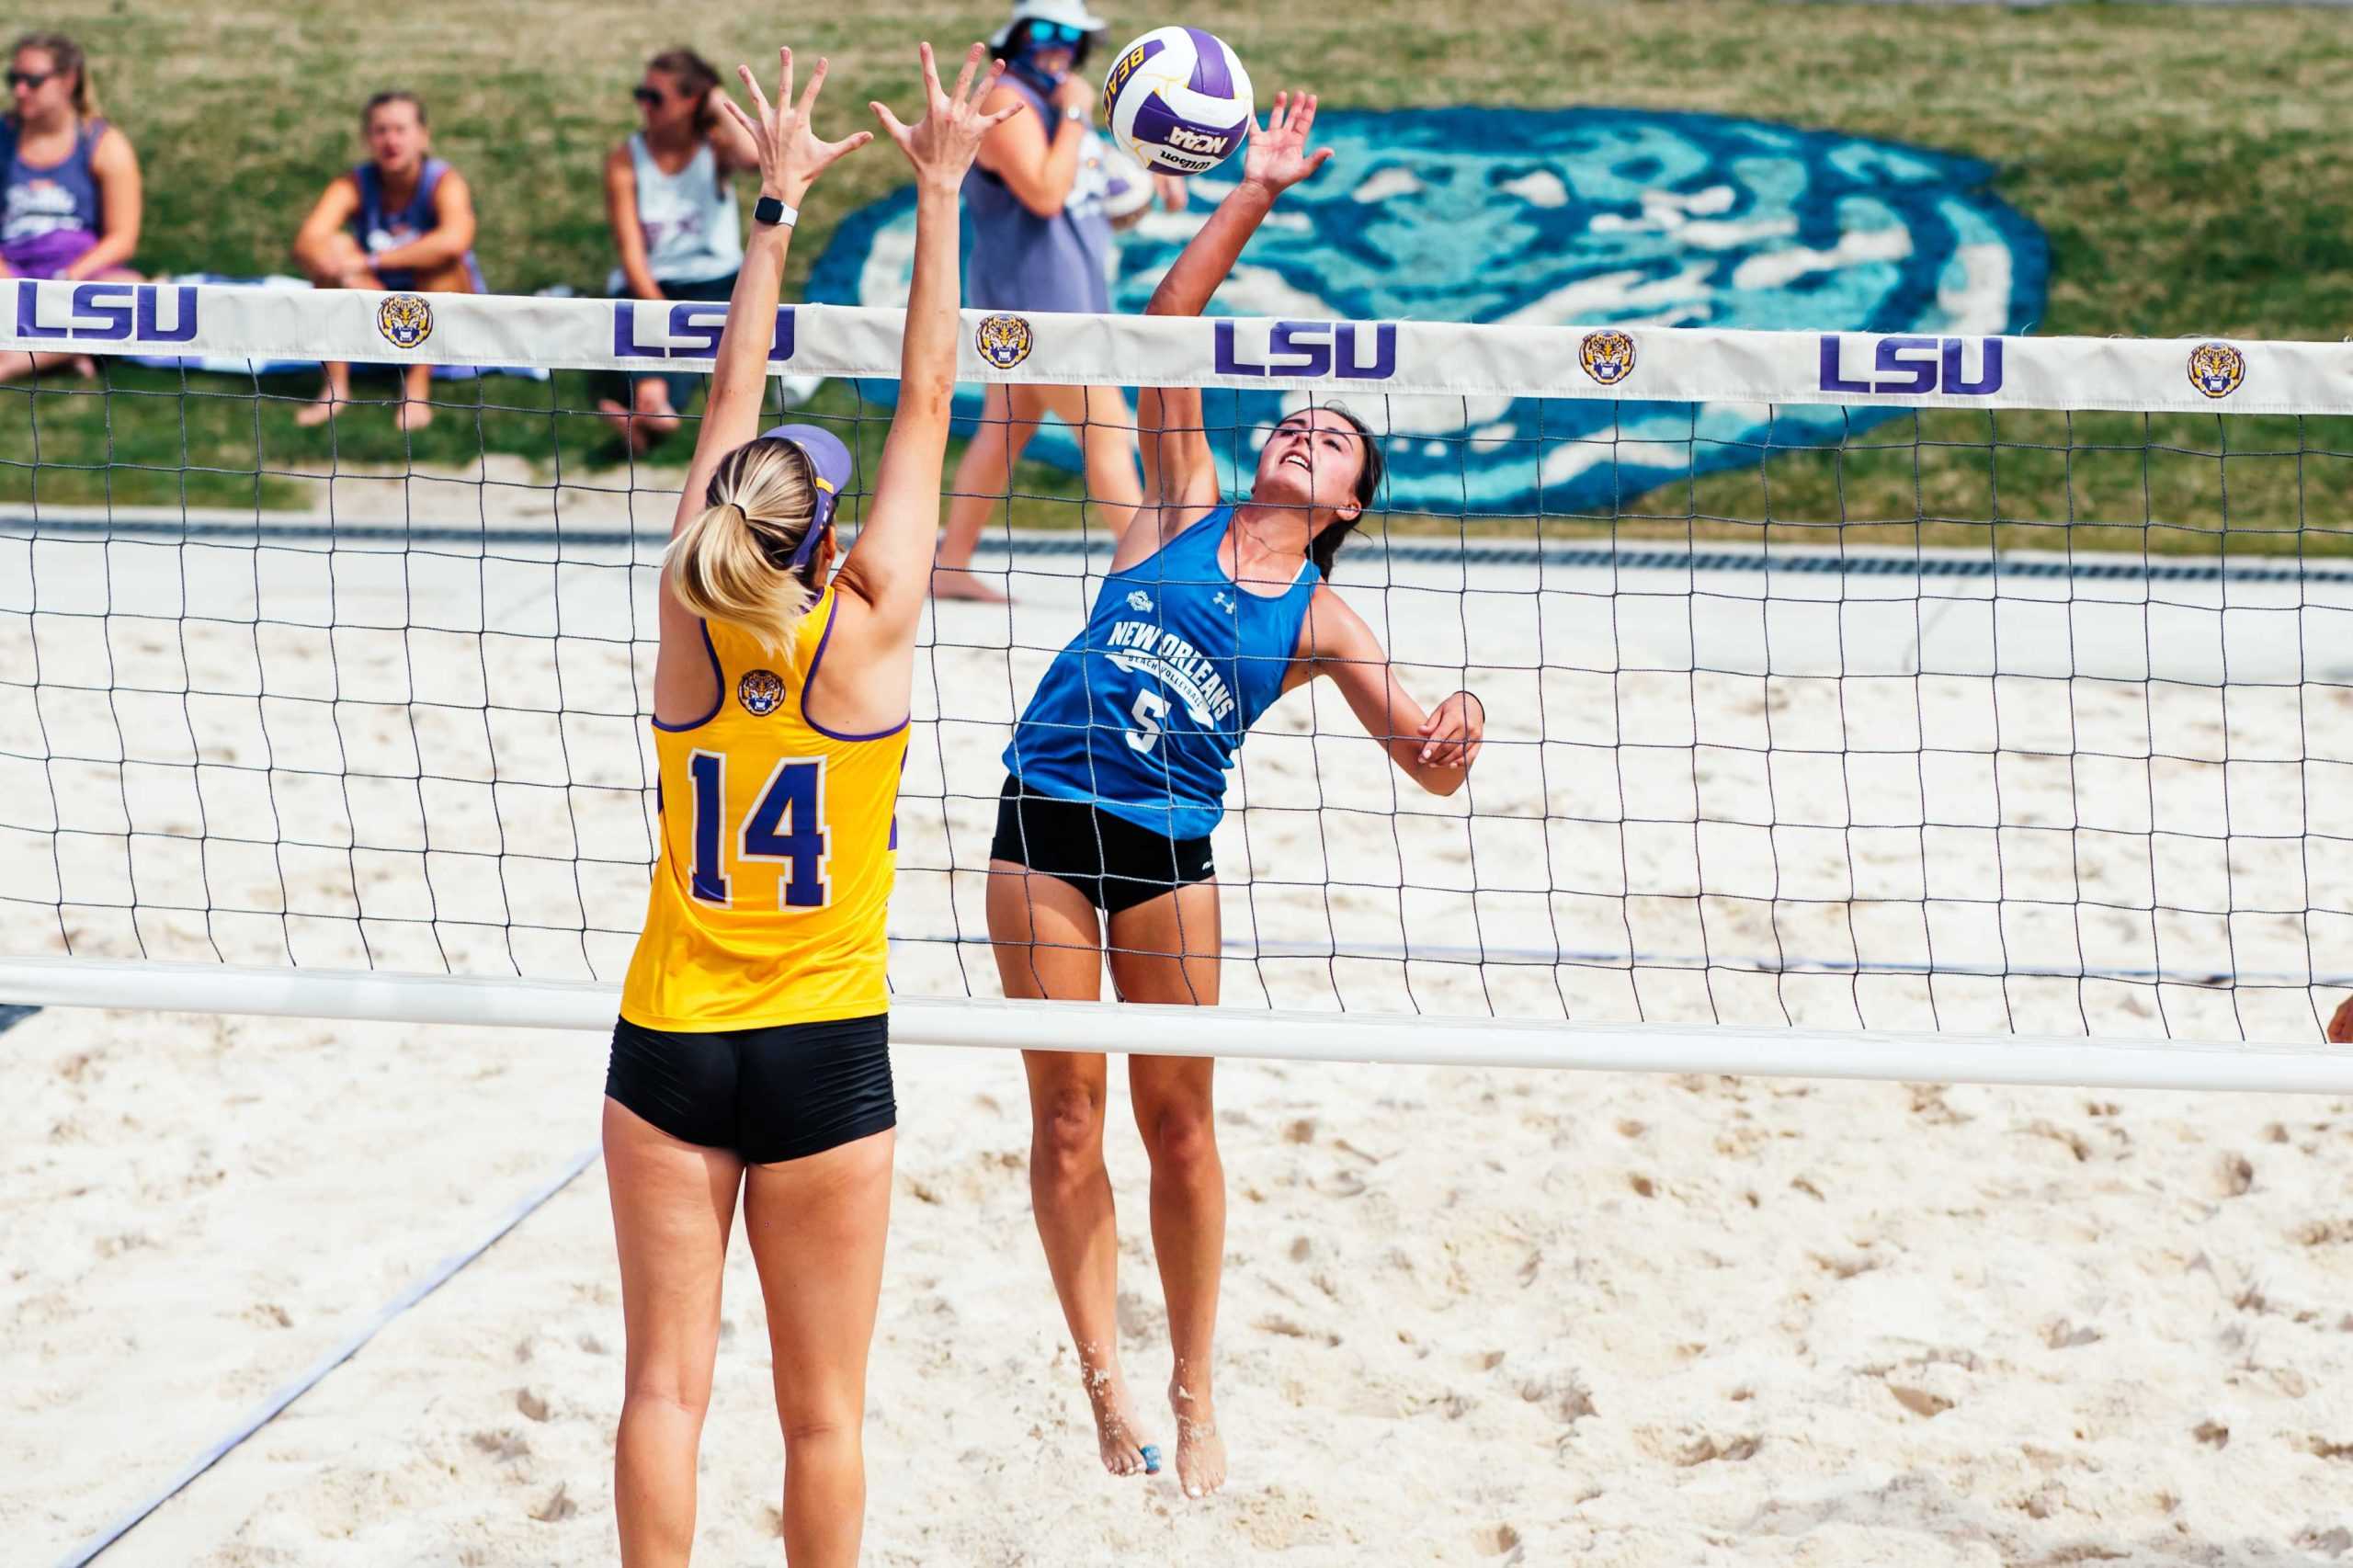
x=1040, y=241
x=752, y=1057
x=70, y=205
x=402, y=220
x=670, y=198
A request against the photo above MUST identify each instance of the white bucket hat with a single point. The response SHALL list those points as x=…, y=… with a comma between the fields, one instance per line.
x=1071, y=13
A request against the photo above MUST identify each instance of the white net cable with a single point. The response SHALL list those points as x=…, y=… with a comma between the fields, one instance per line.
x=1997, y=693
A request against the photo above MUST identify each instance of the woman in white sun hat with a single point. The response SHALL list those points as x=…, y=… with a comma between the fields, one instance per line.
x=1044, y=206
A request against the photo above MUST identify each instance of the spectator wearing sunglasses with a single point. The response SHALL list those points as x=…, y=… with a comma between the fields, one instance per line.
x=670, y=197
x=402, y=220
x=70, y=205
x=1041, y=241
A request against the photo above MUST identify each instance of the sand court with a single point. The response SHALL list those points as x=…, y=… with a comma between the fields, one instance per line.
x=1471, y=1317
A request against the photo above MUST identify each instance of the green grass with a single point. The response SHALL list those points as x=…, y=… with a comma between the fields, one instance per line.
x=2187, y=163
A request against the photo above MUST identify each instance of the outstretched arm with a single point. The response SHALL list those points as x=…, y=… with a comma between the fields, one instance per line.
x=1179, y=473
x=890, y=569
x=790, y=160
x=1434, y=747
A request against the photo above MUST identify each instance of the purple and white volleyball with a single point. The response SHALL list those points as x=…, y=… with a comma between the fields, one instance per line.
x=1179, y=101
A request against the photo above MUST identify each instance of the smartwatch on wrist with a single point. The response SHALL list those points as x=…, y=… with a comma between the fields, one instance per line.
x=768, y=210
x=1074, y=114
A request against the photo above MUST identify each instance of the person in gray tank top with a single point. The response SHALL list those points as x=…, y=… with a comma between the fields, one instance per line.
x=670, y=198
x=1041, y=241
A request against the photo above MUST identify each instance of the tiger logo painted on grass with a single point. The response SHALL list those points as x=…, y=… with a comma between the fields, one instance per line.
x=1607, y=221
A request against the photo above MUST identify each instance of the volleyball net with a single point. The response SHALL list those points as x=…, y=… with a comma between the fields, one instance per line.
x=1902, y=706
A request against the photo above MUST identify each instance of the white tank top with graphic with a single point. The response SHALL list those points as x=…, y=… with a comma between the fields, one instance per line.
x=693, y=232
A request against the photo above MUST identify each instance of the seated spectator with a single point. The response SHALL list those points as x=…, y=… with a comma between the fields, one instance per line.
x=70, y=205
x=669, y=196
x=402, y=220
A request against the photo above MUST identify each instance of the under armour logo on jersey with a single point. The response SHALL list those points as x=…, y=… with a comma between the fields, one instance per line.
x=1223, y=600
x=1140, y=600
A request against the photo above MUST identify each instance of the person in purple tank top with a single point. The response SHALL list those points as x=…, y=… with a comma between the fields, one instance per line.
x=1041, y=241
x=402, y=220
x=69, y=182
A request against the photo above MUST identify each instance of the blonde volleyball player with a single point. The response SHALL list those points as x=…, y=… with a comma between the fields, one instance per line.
x=751, y=1052
x=1208, y=613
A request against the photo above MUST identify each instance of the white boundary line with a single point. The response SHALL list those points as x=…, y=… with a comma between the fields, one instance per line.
x=1233, y=1032
x=268, y=1409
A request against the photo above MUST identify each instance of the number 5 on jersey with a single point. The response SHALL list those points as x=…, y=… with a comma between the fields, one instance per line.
x=786, y=828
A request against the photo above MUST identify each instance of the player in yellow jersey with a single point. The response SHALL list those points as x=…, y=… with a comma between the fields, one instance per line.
x=752, y=1052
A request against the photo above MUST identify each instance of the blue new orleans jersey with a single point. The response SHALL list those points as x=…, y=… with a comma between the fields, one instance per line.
x=1142, y=712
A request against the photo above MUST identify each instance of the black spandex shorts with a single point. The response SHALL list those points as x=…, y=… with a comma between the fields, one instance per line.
x=782, y=1093
x=1115, y=863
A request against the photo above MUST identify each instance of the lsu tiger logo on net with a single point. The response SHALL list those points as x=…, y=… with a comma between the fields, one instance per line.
x=1004, y=341
x=405, y=320
x=761, y=692
x=1608, y=356
x=2217, y=368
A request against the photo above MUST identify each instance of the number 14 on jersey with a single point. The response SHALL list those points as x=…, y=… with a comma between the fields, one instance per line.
x=786, y=826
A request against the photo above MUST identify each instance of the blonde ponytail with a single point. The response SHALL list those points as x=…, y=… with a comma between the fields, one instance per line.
x=732, y=560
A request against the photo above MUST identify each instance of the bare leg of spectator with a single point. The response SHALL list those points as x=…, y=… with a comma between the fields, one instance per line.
x=416, y=411
x=15, y=365
x=648, y=417
x=983, y=474
x=1107, y=438
x=338, y=264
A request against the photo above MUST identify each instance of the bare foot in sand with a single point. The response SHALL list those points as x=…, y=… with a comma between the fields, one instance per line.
x=414, y=414
x=955, y=582
x=1200, y=1452
x=1124, y=1447
x=318, y=411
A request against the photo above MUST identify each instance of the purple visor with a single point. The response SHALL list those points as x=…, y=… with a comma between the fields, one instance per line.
x=829, y=464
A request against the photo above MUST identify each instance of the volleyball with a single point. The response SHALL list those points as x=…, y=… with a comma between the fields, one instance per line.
x=1178, y=99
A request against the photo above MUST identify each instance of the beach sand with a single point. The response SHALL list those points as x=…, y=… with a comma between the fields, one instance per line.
x=1469, y=1317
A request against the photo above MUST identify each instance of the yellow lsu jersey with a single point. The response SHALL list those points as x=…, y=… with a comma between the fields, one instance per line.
x=778, y=847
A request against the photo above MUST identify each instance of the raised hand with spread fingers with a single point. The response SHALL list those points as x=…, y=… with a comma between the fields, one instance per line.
x=943, y=143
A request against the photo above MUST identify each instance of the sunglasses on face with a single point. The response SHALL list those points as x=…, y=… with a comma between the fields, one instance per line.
x=1056, y=32
x=650, y=96
x=29, y=79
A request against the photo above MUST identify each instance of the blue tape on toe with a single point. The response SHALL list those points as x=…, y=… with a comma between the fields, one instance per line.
x=1151, y=1452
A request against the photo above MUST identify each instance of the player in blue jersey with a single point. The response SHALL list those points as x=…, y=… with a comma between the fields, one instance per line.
x=1117, y=768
